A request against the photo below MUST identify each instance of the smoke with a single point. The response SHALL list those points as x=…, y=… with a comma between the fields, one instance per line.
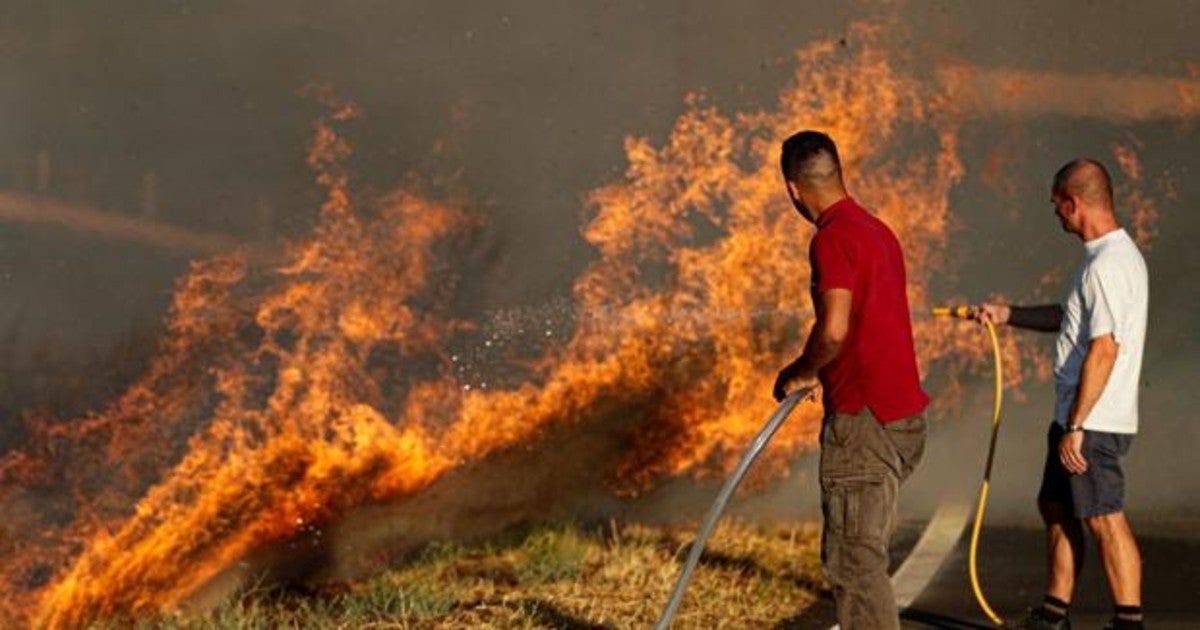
x=529, y=102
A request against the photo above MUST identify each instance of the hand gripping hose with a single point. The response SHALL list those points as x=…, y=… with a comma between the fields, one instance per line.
x=963, y=312
x=764, y=435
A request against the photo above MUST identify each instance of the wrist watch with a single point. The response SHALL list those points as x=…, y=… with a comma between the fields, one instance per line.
x=1073, y=428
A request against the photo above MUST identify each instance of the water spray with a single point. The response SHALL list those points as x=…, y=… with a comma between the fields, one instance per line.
x=963, y=312
x=714, y=513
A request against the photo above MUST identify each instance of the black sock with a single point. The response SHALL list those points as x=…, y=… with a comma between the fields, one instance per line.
x=1127, y=617
x=1054, y=608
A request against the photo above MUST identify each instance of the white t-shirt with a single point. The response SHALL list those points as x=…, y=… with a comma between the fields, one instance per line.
x=1109, y=295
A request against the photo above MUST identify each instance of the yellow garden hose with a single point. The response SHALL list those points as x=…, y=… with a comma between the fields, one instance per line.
x=963, y=312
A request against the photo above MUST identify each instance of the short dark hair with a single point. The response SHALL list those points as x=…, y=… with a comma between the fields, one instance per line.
x=799, y=152
x=1089, y=184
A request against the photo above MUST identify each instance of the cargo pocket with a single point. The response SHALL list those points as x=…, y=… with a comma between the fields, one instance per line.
x=857, y=508
x=857, y=524
x=865, y=510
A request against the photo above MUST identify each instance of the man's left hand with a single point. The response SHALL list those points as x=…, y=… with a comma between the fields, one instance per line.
x=1070, y=452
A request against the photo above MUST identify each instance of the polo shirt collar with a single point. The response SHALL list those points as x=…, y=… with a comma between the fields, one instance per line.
x=838, y=206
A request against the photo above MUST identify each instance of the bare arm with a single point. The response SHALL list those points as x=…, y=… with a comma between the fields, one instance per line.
x=1097, y=367
x=823, y=344
x=1044, y=318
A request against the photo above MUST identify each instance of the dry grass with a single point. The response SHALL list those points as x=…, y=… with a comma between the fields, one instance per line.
x=560, y=577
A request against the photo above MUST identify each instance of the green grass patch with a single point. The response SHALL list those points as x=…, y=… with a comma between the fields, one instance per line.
x=551, y=555
x=553, y=577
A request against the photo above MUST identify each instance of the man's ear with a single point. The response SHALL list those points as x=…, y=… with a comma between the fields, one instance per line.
x=1076, y=208
x=793, y=189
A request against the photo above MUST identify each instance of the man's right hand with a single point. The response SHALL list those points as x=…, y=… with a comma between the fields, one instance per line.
x=998, y=314
x=782, y=381
x=789, y=380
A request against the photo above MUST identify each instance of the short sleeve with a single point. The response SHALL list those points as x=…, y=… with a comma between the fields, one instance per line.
x=833, y=266
x=1098, y=304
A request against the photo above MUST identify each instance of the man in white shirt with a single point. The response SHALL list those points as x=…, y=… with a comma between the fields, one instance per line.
x=1101, y=328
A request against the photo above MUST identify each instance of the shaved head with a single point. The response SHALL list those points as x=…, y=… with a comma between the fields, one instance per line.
x=810, y=158
x=1087, y=179
x=813, y=172
x=1082, y=195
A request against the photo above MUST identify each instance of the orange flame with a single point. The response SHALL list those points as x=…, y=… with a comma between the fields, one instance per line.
x=281, y=402
x=1142, y=207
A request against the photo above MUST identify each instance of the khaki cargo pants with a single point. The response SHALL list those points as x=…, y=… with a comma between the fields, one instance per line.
x=863, y=464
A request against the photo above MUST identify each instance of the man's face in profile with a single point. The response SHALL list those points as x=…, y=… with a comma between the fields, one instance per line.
x=1064, y=209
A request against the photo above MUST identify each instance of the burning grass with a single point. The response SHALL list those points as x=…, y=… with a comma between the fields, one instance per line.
x=558, y=576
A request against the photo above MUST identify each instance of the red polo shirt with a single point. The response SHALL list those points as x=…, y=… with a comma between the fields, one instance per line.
x=876, y=368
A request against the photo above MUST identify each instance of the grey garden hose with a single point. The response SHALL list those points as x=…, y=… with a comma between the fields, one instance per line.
x=760, y=441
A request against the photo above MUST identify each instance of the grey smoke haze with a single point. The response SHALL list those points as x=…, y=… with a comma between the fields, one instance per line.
x=532, y=101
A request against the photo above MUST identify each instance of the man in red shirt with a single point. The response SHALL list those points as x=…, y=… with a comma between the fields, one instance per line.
x=860, y=350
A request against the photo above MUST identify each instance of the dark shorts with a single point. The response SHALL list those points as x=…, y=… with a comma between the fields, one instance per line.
x=1100, y=490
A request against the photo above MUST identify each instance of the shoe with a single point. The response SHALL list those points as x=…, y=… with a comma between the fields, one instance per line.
x=1131, y=625
x=1037, y=619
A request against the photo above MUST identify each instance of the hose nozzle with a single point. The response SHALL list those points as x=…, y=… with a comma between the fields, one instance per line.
x=961, y=312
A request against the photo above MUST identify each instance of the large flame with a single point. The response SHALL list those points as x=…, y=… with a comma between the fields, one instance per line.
x=281, y=401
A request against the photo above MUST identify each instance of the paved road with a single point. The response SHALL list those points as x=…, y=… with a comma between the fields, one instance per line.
x=1012, y=575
